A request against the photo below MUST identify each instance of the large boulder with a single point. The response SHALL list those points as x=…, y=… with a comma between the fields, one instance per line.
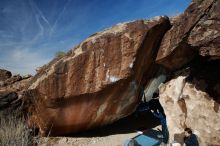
x=205, y=34
x=4, y=74
x=193, y=100
x=191, y=97
x=9, y=101
x=12, y=80
x=196, y=30
x=185, y=106
x=97, y=82
x=15, y=83
x=11, y=89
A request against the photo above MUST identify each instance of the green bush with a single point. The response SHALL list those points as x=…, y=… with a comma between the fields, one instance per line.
x=60, y=54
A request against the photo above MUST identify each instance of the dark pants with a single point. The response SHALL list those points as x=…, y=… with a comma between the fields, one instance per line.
x=165, y=133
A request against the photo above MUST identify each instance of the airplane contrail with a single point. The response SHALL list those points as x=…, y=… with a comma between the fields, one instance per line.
x=38, y=11
x=60, y=14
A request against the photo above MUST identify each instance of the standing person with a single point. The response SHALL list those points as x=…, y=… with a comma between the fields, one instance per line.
x=190, y=139
x=154, y=103
x=163, y=123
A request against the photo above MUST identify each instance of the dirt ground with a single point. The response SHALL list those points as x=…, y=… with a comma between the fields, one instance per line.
x=111, y=135
x=111, y=140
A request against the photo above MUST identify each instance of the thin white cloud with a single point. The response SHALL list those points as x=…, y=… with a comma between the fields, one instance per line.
x=35, y=7
x=23, y=61
x=39, y=15
x=59, y=15
x=41, y=32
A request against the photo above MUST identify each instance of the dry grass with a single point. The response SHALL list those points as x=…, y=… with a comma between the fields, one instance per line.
x=14, y=130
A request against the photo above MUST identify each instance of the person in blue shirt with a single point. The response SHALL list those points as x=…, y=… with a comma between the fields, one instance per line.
x=163, y=123
x=190, y=139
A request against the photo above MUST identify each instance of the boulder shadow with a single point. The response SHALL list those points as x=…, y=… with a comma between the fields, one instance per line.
x=129, y=124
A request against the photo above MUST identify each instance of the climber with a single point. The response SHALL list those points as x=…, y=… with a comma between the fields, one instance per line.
x=154, y=103
x=190, y=139
x=163, y=123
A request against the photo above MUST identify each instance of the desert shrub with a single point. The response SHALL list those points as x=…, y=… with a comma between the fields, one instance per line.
x=14, y=130
x=60, y=54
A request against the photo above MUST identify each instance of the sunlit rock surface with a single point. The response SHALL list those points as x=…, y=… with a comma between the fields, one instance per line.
x=196, y=30
x=11, y=89
x=97, y=82
x=192, y=100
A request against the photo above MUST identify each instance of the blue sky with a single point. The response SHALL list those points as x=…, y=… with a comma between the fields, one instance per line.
x=32, y=31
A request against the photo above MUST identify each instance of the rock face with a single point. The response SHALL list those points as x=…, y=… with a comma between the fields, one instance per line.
x=4, y=74
x=98, y=82
x=196, y=30
x=9, y=100
x=14, y=84
x=186, y=106
x=205, y=34
x=192, y=100
x=101, y=80
x=11, y=89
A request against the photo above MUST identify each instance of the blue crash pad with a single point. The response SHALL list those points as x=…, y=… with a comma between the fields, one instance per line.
x=144, y=140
